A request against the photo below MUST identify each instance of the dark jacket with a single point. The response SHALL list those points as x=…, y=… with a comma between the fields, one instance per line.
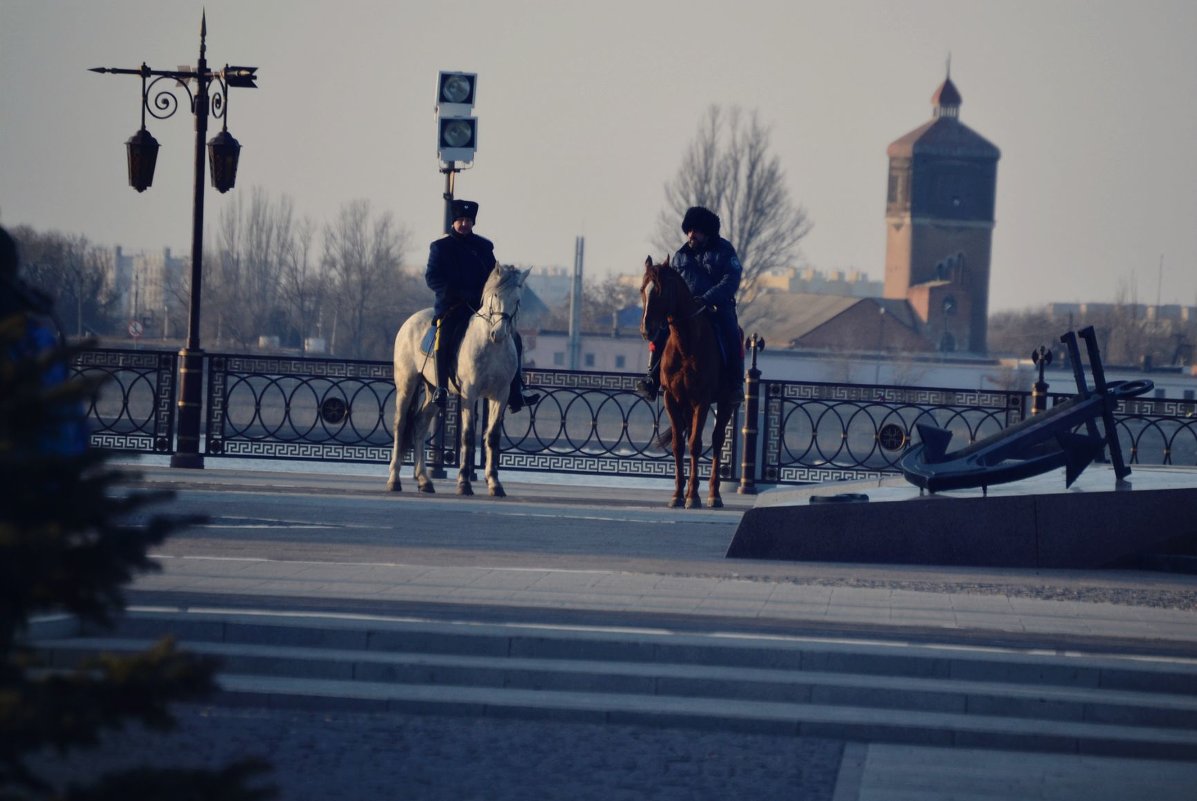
x=712, y=273
x=458, y=267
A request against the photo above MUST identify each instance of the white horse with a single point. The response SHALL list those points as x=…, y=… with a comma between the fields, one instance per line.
x=486, y=365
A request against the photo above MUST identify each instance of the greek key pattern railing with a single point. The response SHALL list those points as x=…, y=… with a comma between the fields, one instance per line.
x=135, y=408
x=595, y=423
x=321, y=409
x=308, y=409
x=585, y=423
x=835, y=432
x=1155, y=431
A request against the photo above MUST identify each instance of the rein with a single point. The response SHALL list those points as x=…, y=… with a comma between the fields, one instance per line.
x=490, y=315
x=675, y=319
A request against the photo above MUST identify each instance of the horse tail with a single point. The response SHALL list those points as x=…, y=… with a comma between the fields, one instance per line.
x=665, y=438
x=407, y=435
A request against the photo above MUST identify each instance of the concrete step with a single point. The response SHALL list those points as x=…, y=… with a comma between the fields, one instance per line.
x=808, y=720
x=876, y=691
x=1048, y=702
x=378, y=634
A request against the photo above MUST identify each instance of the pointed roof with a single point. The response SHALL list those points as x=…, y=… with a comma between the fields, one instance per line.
x=946, y=96
x=945, y=134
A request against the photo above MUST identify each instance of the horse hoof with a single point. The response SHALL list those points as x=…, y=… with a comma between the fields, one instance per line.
x=715, y=503
x=465, y=489
x=693, y=503
x=674, y=503
x=497, y=491
x=394, y=486
x=427, y=488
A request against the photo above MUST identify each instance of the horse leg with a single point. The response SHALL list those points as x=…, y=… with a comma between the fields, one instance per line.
x=493, y=432
x=420, y=427
x=393, y=482
x=404, y=409
x=676, y=414
x=466, y=456
x=698, y=419
x=723, y=413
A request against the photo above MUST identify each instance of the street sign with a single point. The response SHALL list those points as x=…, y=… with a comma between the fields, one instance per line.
x=135, y=328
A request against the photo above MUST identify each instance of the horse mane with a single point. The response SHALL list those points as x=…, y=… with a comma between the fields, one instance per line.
x=664, y=271
x=503, y=279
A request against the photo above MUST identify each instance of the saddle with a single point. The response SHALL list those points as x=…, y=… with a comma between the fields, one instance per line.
x=428, y=343
x=428, y=348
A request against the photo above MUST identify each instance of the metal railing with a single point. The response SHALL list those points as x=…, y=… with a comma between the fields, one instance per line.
x=586, y=422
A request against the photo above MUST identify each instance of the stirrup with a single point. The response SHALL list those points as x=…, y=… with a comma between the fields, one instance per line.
x=440, y=397
x=647, y=388
x=519, y=400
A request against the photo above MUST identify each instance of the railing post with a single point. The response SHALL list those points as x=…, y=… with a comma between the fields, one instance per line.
x=1041, y=357
x=752, y=388
x=438, y=446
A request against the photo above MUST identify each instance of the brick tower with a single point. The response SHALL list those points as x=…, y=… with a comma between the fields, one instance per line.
x=939, y=224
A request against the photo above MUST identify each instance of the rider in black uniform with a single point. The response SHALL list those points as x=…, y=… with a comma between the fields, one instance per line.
x=711, y=269
x=458, y=266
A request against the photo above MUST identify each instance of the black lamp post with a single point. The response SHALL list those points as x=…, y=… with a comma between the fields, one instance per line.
x=223, y=150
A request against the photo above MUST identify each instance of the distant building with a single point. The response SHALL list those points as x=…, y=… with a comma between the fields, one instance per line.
x=153, y=289
x=807, y=280
x=939, y=224
x=615, y=353
x=939, y=218
x=551, y=284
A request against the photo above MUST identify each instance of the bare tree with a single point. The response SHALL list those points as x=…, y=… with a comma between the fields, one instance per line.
x=362, y=255
x=246, y=274
x=303, y=286
x=78, y=275
x=1019, y=333
x=730, y=169
x=600, y=300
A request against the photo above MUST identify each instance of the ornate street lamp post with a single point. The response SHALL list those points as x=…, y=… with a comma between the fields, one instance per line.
x=222, y=151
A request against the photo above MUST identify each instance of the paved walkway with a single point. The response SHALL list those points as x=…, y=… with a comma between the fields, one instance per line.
x=1151, y=614
x=1146, y=611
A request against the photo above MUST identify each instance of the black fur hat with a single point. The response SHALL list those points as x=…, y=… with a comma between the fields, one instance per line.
x=702, y=220
x=465, y=208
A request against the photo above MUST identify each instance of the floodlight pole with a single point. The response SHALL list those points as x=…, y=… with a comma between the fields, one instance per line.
x=450, y=170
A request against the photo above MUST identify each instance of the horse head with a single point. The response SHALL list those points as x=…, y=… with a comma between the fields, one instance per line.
x=662, y=292
x=501, y=299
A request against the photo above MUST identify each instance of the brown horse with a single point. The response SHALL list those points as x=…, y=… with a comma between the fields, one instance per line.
x=691, y=377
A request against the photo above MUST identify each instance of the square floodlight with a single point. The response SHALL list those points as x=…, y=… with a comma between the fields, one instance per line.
x=457, y=138
x=455, y=92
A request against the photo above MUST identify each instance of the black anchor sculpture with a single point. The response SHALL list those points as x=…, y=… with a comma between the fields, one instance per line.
x=1041, y=443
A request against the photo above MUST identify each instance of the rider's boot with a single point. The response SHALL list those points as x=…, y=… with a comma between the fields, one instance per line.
x=517, y=398
x=440, y=395
x=650, y=385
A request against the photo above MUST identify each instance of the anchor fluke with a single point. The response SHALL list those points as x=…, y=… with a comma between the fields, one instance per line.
x=1079, y=452
x=935, y=442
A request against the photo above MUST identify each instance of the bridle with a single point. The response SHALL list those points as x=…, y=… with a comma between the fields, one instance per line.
x=491, y=314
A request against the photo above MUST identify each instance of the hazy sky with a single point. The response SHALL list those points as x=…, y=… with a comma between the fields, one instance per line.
x=585, y=109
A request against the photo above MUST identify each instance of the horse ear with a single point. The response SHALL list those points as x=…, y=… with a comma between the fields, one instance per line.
x=524, y=275
x=648, y=261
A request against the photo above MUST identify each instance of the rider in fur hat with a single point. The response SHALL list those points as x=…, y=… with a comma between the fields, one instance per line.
x=458, y=266
x=710, y=267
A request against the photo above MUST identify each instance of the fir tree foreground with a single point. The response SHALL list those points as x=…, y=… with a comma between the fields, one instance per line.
x=65, y=550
